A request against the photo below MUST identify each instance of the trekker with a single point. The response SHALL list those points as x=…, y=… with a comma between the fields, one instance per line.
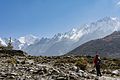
x=97, y=63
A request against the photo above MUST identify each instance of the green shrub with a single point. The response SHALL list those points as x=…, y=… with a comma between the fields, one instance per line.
x=81, y=63
x=104, y=66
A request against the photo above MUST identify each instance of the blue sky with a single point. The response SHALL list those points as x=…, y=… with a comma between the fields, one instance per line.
x=44, y=18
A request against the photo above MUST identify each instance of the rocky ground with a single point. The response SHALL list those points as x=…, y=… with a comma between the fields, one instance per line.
x=56, y=68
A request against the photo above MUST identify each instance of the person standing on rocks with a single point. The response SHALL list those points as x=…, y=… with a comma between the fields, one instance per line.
x=97, y=63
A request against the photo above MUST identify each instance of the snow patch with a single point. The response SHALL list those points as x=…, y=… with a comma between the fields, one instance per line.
x=2, y=42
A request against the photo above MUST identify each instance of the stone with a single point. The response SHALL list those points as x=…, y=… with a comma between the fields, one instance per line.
x=55, y=72
x=116, y=72
x=61, y=78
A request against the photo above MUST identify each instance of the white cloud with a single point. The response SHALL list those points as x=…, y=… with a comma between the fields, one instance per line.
x=118, y=3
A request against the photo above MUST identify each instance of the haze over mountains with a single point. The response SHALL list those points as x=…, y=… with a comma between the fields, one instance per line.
x=62, y=43
x=108, y=46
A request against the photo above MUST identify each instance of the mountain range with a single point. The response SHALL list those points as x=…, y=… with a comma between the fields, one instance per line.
x=108, y=46
x=62, y=43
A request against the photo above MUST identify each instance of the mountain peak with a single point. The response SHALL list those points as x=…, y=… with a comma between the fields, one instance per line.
x=30, y=36
x=114, y=18
x=108, y=19
x=29, y=39
x=2, y=42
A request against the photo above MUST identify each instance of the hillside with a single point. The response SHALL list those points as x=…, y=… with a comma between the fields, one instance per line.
x=108, y=46
x=8, y=53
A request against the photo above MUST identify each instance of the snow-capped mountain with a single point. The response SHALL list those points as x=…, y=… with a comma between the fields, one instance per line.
x=20, y=43
x=3, y=42
x=23, y=42
x=62, y=43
